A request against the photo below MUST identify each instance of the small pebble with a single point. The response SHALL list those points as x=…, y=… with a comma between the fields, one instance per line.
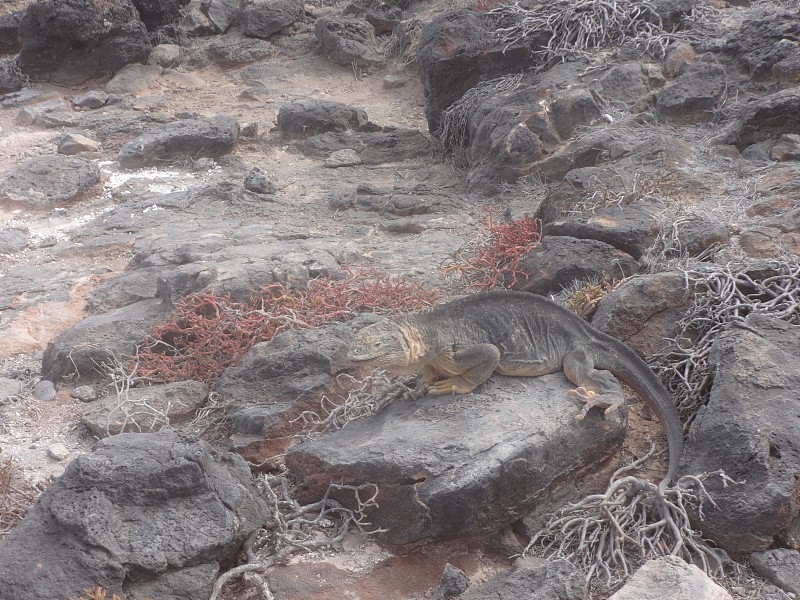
x=58, y=451
x=84, y=393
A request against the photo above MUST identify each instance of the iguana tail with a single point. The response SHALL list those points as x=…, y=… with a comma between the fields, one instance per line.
x=626, y=365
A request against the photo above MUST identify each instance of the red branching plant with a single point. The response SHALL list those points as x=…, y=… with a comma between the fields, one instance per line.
x=493, y=258
x=207, y=333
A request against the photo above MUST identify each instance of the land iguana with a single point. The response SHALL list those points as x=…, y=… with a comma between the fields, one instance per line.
x=458, y=345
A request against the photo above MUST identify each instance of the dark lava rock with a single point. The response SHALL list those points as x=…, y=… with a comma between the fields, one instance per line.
x=10, y=42
x=187, y=139
x=264, y=18
x=145, y=515
x=347, y=40
x=71, y=41
x=693, y=95
x=50, y=180
x=304, y=118
x=457, y=50
x=560, y=260
x=452, y=466
x=749, y=429
x=155, y=13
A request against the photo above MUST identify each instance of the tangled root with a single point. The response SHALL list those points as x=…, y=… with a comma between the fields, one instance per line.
x=611, y=534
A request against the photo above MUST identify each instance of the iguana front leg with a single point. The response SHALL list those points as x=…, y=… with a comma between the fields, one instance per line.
x=468, y=368
x=595, y=388
x=429, y=376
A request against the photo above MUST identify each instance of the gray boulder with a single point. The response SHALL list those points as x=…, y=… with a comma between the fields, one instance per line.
x=457, y=50
x=765, y=118
x=557, y=580
x=156, y=13
x=232, y=50
x=10, y=42
x=694, y=94
x=373, y=148
x=51, y=114
x=749, y=429
x=384, y=17
x=10, y=80
x=644, y=310
x=347, y=40
x=145, y=409
x=304, y=118
x=48, y=181
x=624, y=83
x=559, y=260
x=145, y=515
x=222, y=14
x=632, y=228
x=453, y=466
x=763, y=45
x=264, y=18
x=71, y=41
x=13, y=240
x=78, y=351
x=277, y=380
x=781, y=566
x=188, y=139
x=453, y=583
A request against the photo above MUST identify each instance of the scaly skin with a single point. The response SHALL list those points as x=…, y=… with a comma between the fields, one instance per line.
x=458, y=345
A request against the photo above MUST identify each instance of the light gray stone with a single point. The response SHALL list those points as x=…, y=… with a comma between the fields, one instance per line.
x=58, y=452
x=75, y=143
x=673, y=578
x=84, y=393
x=343, y=158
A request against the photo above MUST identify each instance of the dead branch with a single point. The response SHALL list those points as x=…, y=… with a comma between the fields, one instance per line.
x=453, y=126
x=611, y=534
x=366, y=397
x=299, y=528
x=579, y=28
x=725, y=294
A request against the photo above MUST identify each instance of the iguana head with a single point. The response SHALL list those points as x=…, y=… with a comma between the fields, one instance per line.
x=382, y=344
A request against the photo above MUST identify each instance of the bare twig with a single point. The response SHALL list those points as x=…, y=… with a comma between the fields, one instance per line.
x=611, y=534
x=453, y=126
x=366, y=397
x=579, y=28
x=724, y=294
x=300, y=528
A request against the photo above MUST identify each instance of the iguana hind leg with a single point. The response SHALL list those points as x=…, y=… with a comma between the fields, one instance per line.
x=595, y=387
x=468, y=368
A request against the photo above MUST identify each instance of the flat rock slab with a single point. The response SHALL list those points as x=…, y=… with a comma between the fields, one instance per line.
x=460, y=465
x=49, y=181
x=191, y=138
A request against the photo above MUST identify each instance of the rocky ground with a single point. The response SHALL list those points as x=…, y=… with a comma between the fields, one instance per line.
x=235, y=147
